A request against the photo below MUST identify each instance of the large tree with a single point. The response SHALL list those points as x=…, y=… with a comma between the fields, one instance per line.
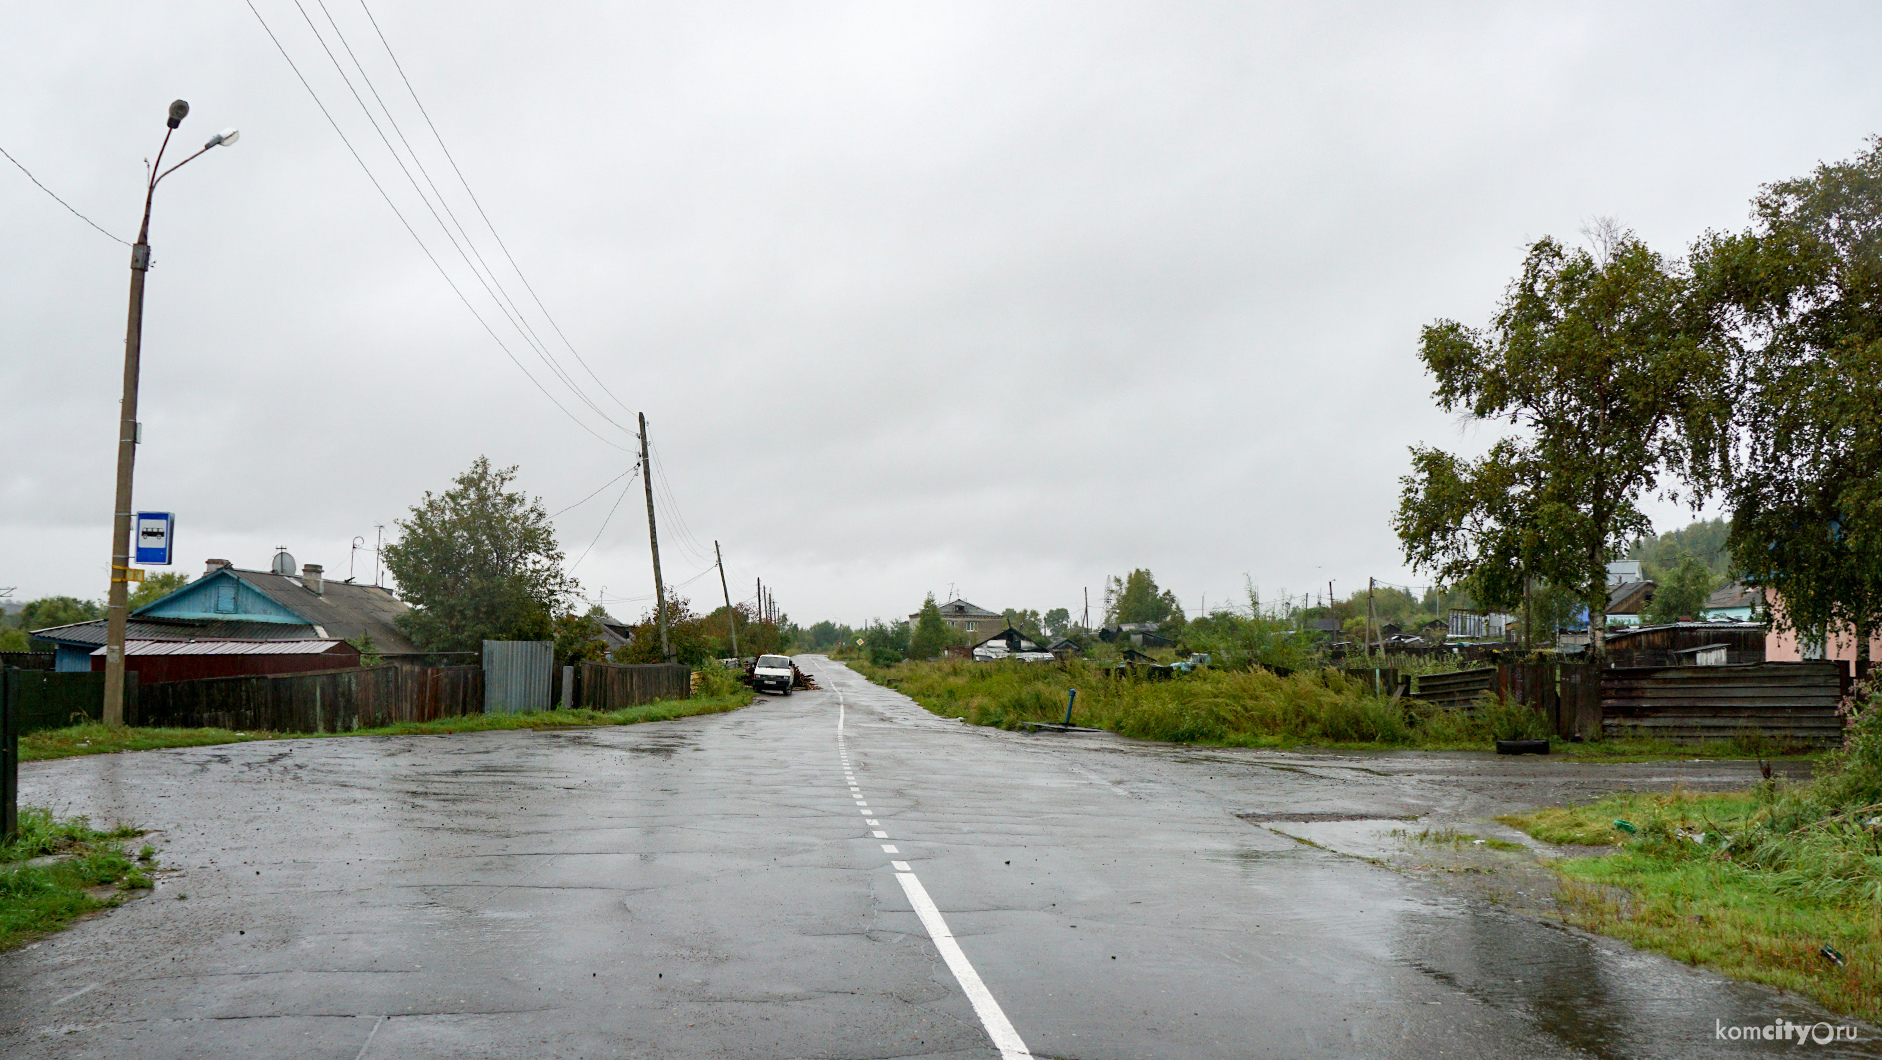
x=1801, y=293
x=930, y=635
x=1136, y=598
x=478, y=562
x=1613, y=384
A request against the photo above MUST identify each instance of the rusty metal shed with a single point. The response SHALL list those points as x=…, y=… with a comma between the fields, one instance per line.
x=188, y=660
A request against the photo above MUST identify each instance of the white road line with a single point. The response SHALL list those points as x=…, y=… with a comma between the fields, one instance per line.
x=80, y=992
x=999, y=1028
x=1005, y=1038
x=872, y=823
x=369, y=1038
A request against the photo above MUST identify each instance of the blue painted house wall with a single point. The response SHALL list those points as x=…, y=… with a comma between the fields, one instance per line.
x=221, y=595
x=72, y=658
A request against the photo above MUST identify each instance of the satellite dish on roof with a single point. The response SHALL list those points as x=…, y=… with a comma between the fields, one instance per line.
x=283, y=563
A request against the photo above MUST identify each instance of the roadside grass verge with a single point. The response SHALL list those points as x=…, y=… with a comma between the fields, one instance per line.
x=90, y=871
x=95, y=738
x=1322, y=708
x=1675, y=886
x=1781, y=884
x=1308, y=708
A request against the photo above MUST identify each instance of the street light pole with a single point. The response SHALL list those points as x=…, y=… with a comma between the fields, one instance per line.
x=119, y=595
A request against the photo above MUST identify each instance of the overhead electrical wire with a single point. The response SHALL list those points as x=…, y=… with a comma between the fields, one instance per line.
x=597, y=492
x=396, y=212
x=491, y=285
x=604, y=528
x=480, y=210
x=487, y=276
x=62, y=202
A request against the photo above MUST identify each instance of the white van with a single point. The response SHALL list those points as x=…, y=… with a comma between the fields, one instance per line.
x=773, y=672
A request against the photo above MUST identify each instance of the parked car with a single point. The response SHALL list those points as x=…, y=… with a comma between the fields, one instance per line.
x=774, y=672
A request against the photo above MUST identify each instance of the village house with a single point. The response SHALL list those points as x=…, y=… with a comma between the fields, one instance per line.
x=231, y=604
x=976, y=622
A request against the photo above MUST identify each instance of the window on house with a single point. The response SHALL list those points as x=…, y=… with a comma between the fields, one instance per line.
x=225, y=598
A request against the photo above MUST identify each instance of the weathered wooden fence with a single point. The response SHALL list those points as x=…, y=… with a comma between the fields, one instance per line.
x=324, y=701
x=1459, y=688
x=610, y=686
x=46, y=699
x=1794, y=701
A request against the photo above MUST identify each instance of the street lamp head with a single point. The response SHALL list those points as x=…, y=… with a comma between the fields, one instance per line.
x=178, y=111
x=225, y=137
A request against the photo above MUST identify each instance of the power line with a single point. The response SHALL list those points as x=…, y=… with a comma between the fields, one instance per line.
x=597, y=492
x=487, y=276
x=480, y=209
x=396, y=212
x=62, y=202
x=604, y=527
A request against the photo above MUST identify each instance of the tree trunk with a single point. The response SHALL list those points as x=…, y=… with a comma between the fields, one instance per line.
x=1864, y=631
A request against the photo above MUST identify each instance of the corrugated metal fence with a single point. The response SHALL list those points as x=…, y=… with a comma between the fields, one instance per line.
x=517, y=675
x=328, y=701
x=607, y=686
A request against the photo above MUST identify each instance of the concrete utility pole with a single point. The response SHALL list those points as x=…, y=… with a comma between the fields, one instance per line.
x=731, y=616
x=653, y=538
x=117, y=598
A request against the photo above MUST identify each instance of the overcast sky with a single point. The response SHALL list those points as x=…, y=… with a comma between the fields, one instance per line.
x=1004, y=297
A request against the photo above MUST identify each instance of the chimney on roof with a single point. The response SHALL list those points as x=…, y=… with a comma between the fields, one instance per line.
x=310, y=577
x=216, y=565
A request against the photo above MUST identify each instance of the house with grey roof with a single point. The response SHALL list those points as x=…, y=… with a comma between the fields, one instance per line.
x=976, y=622
x=228, y=603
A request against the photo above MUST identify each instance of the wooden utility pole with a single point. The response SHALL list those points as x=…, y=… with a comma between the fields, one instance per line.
x=731, y=616
x=653, y=538
x=1372, y=618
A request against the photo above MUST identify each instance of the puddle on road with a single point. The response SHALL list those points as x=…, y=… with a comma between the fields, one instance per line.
x=1596, y=995
x=1599, y=996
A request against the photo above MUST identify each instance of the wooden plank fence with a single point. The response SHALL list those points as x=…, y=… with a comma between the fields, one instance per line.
x=610, y=686
x=1460, y=688
x=322, y=701
x=46, y=699
x=1794, y=701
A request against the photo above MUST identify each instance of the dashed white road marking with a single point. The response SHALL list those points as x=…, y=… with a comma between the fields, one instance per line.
x=999, y=1028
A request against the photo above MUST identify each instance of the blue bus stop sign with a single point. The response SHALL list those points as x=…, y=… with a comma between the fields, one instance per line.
x=156, y=532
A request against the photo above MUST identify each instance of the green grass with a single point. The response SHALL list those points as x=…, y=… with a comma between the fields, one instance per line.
x=92, y=873
x=1323, y=708
x=1238, y=708
x=1453, y=838
x=95, y=738
x=1726, y=882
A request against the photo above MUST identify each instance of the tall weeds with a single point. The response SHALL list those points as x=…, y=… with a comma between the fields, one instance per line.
x=1233, y=707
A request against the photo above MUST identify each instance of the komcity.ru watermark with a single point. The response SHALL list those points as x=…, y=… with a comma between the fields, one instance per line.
x=1786, y=1031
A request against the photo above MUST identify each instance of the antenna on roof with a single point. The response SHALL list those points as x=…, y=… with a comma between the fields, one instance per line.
x=283, y=563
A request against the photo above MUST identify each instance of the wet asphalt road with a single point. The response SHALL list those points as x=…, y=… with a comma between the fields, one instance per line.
x=714, y=887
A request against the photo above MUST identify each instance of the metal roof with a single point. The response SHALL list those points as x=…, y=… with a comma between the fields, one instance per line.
x=228, y=647
x=343, y=609
x=93, y=632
